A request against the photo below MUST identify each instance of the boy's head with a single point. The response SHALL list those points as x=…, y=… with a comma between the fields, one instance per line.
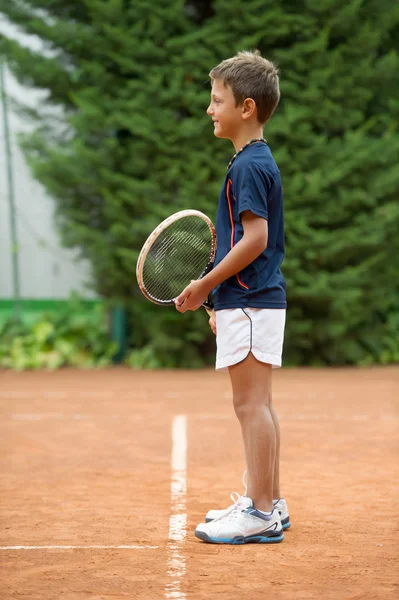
x=249, y=76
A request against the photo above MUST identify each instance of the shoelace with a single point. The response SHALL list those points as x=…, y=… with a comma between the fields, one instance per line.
x=235, y=497
x=235, y=509
x=244, y=481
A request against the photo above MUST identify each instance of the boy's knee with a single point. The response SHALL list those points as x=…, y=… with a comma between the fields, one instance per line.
x=245, y=404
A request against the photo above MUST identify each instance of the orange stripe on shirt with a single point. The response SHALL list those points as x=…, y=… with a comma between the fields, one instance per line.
x=230, y=211
x=229, y=183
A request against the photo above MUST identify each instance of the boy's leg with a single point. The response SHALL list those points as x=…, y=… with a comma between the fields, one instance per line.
x=276, y=476
x=251, y=383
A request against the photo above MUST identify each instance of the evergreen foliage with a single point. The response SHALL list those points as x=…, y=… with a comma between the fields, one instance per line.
x=133, y=145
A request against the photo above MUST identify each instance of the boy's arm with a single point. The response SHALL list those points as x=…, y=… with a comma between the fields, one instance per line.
x=252, y=243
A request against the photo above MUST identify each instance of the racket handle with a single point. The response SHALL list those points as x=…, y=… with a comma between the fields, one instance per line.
x=210, y=312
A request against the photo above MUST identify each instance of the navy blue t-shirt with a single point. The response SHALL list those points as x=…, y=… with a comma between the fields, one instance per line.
x=252, y=183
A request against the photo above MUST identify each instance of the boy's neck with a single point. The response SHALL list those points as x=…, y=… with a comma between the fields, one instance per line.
x=246, y=135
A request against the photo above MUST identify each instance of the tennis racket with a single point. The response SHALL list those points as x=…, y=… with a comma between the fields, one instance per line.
x=180, y=249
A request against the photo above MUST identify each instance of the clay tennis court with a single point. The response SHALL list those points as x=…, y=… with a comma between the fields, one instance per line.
x=105, y=474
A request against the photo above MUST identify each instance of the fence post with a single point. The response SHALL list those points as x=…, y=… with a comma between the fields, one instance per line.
x=119, y=331
x=11, y=196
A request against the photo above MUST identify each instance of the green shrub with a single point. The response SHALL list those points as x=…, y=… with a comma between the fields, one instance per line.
x=69, y=337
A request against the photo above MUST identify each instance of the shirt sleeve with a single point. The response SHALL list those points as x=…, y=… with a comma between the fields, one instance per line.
x=250, y=186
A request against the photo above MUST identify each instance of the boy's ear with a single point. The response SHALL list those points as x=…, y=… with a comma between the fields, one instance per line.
x=248, y=108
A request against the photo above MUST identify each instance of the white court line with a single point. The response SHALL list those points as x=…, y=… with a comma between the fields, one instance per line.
x=78, y=547
x=178, y=517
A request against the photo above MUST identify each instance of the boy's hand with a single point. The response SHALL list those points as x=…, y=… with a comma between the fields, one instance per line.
x=192, y=297
x=212, y=324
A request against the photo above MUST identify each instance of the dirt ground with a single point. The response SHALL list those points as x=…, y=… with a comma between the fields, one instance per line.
x=86, y=461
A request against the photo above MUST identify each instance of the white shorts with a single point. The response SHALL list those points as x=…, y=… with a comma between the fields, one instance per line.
x=240, y=331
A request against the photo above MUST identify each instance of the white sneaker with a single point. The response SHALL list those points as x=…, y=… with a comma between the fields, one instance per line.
x=242, y=524
x=280, y=505
x=211, y=515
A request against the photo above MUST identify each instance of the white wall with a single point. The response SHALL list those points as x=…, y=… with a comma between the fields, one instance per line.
x=46, y=269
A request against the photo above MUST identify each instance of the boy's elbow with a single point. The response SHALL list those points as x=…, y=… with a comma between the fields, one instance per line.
x=256, y=244
x=260, y=244
x=262, y=235
x=263, y=242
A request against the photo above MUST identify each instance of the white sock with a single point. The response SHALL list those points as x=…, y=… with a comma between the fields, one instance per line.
x=269, y=514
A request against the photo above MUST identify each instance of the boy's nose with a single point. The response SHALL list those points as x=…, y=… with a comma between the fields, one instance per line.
x=209, y=110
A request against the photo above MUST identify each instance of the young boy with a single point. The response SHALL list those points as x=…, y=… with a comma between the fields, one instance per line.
x=248, y=291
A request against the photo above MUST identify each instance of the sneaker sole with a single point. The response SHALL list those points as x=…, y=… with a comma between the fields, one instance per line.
x=284, y=526
x=239, y=540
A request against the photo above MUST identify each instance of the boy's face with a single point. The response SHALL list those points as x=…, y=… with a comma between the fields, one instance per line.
x=226, y=116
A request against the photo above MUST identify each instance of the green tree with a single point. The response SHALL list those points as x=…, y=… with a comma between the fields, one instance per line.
x=128, y=147
x=133, y=145
x=335, y=138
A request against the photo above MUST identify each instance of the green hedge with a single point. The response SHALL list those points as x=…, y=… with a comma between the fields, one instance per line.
x=74, y=334
x=137, y=145
x=31, y=309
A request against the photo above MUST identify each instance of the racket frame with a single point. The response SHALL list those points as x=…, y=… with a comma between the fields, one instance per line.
x=150, y=241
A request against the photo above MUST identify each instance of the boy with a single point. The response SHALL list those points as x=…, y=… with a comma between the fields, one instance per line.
x=248, y=291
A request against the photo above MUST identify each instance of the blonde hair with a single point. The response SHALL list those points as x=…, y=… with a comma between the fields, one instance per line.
x=251, y=76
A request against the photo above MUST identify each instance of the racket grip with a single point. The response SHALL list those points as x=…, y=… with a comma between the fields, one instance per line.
x=210, y=312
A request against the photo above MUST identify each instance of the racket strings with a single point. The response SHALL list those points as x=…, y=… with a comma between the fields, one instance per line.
x=161, y=278
x=169, y=288
x=179, y=254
